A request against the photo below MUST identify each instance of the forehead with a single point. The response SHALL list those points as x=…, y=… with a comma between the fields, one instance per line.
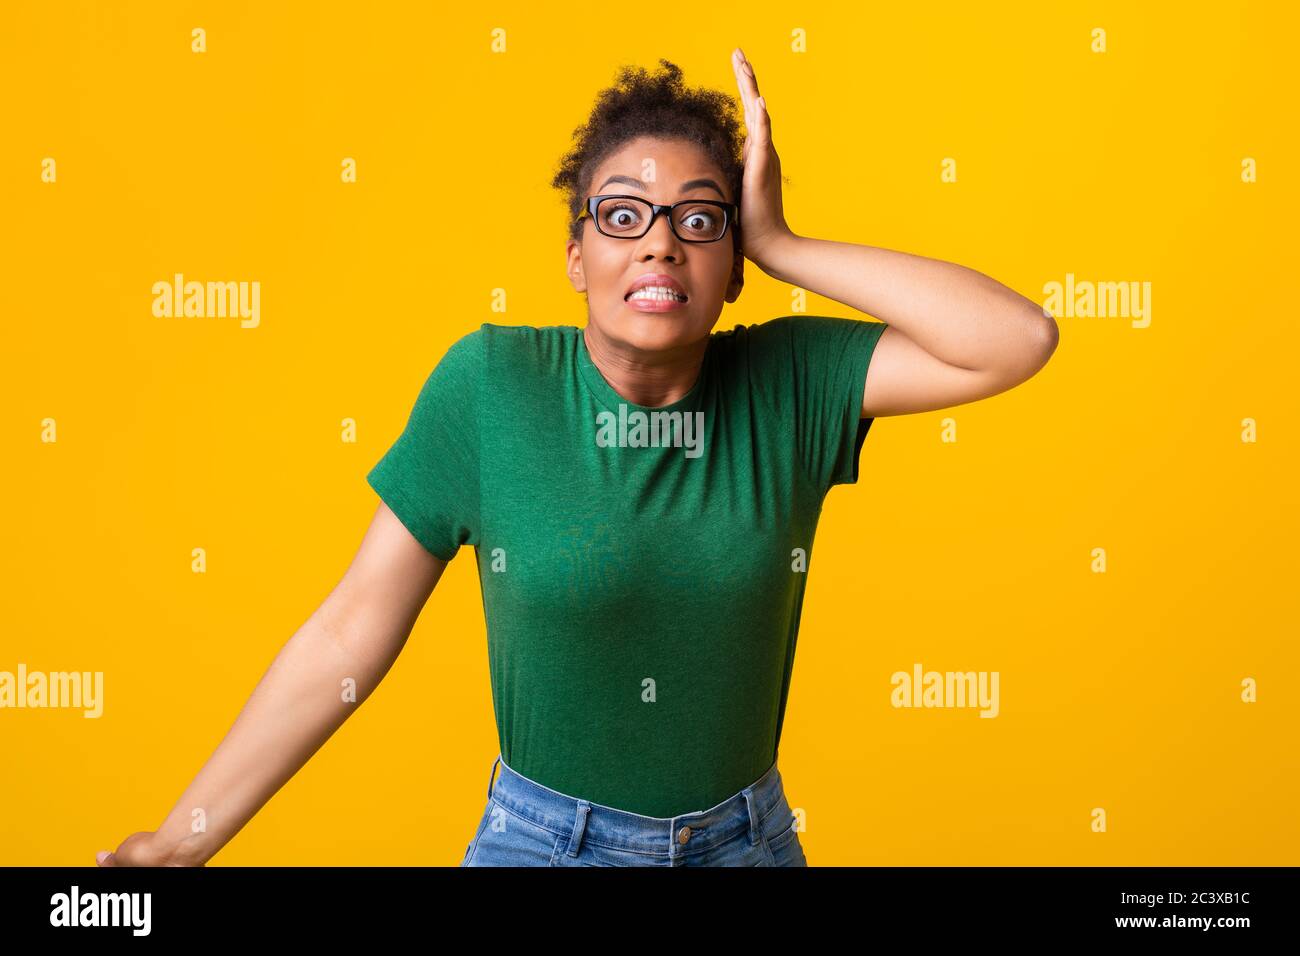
x=661, y=164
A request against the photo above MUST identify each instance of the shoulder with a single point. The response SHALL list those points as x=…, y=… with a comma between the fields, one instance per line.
x=754, y=331
x=519, y=346
x=775, y=334
x=798, y=336
x=491, y=339
x=799, y=352
x=755, y=343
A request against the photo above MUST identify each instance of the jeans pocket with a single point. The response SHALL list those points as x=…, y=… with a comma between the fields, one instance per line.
x=786, y=849
x=781, y=837
x=482, y=824
x=507, y=839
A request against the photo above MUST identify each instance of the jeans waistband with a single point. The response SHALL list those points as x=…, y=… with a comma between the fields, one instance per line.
x=686, y=833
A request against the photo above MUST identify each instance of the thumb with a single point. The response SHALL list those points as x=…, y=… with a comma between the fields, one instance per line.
x=104, y=858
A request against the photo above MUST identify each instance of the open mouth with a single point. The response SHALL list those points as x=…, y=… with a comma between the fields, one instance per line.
x=655, y=287
x=655, y=294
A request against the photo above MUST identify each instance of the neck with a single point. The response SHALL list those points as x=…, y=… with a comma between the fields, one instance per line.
x=652, y=379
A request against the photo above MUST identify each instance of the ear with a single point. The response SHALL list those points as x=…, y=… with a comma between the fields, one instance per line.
x=573, y=265
x=737, y=280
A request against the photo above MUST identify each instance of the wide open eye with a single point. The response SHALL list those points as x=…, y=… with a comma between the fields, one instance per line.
x=703, y=222
x=622, y=215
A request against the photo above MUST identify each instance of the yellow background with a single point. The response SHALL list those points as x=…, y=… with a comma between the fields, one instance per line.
x=1118, y=690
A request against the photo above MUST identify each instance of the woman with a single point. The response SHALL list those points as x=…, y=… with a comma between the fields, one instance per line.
x=642, y=496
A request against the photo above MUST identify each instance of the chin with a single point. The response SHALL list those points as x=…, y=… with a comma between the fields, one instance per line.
x=654, y=333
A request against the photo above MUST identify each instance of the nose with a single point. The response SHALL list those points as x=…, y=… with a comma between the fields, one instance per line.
x=660, y=241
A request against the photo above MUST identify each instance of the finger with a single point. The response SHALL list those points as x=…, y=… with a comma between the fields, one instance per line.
x=737, y=58
x=764, y=121
x=748, y=86
x=104, y=858
x=753, y=98
x=757, y=133
x=749, y=70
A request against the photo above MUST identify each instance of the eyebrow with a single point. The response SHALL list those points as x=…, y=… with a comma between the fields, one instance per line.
x=686, y=186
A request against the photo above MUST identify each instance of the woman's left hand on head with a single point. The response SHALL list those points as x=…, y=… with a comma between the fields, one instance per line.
x=762, y=220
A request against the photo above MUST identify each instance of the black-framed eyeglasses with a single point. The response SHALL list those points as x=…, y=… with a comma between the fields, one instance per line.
x=630, y=217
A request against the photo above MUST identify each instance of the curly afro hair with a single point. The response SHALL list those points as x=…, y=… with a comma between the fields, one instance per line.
x=641, y=103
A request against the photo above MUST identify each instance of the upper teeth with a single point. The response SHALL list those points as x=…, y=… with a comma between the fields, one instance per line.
x=656, y=292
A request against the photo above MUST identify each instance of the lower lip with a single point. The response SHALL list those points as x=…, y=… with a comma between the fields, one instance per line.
x=655, y=305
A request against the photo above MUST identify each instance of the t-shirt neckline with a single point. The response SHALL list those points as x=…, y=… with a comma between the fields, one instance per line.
x=607, y=396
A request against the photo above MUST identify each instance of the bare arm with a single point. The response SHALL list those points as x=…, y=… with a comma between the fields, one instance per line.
x=356, y=633
x=955, y=335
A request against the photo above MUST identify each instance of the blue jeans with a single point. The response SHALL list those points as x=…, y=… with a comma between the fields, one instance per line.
x=527, y=824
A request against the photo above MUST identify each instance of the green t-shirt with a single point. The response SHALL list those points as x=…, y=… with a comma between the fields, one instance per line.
x=642, y=575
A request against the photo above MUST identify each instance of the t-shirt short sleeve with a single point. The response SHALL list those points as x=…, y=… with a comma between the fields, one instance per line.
x=818, y=369
x=429, y=477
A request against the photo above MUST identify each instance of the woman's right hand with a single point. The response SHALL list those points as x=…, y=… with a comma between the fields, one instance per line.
x=354, y=636
x=145, y=848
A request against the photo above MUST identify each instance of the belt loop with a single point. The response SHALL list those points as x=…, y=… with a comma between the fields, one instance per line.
x=579, y=827
x=492, y=774
x=753, y=815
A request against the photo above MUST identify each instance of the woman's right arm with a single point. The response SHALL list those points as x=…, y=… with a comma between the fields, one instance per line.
x=355, y=635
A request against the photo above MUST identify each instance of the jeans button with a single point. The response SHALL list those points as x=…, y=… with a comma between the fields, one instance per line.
x=683, y=834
